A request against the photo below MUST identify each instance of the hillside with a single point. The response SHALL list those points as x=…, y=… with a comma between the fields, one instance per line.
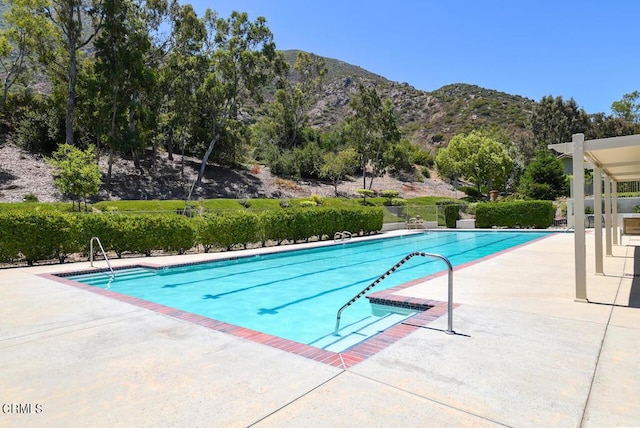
x=23, y=173
x=429, y=119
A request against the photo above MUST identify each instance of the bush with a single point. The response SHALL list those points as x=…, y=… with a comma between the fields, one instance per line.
x=30, y=197
x=389, y=195
x=451, y=214
x=227, y=229
x=443, y=212
x=37, y=236
x=43, y=235
x=471, y=191
x=523, y=214
x=306, y=204
x=365, y=193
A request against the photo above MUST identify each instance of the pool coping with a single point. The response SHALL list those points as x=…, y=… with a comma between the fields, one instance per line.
x=430, y=310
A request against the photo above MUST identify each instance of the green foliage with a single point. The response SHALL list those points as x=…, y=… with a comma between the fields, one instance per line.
x=544, y=178
x=365, y=193
x=306, y=204
x=628, y=108
x=372, y=129
x=555, y=121
x=39, y=126
x=398, y=157
x=227, y=229
x=36, y=236
x=78, y=174
x=477, y=158
x=522, y=214
x=471, y=192
x=337, y=166
x=30, y=197
x=451, y=214
x=390, y=196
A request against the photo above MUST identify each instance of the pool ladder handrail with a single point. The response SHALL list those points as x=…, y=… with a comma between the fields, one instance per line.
x=342, y=236
x=393, y=269
x=104, y=254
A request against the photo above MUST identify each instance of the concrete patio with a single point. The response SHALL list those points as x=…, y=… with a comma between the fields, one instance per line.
x=525, y=354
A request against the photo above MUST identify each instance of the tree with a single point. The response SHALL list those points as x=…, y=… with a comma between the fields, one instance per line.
x=242, y=60
x=603, y=126
x=477, y=158
x=338, y=165
x=17, y=44
x=70, y=27
x=121, y=73
x=372, y=128
x=77, y=173
x=292, y=100
x=555, y=121
x=544, y=178
x=628, y=108
x=182, y=74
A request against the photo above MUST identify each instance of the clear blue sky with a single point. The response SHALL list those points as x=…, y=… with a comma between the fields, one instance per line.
x=588, y=50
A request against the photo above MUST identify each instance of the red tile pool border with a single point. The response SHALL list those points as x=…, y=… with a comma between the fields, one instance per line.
x=346, y=359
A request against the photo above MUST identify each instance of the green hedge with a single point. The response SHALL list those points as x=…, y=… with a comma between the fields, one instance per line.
x=45, y=235
x=523, y=214
x=451, y=214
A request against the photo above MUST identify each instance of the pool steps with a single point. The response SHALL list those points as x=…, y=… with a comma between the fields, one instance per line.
x=361, y=330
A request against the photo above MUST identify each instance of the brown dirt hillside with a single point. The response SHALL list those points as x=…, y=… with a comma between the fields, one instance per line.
x=23, y=173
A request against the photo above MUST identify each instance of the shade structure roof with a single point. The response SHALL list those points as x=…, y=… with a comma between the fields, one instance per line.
x=618, y=157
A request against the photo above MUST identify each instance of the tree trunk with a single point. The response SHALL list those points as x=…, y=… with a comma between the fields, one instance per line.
x=205, y=158
x=136, y=159
x=71, y=95
x=170, y=144
x=109, y=168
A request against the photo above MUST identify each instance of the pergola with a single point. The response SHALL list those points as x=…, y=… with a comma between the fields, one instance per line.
x=616, y=160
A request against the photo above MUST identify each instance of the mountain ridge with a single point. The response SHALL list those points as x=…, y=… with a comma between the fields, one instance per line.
x=427, y=118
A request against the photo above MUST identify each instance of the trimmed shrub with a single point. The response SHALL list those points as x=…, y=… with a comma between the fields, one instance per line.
x=389, y=195
x=37, y=236
x=226, y=229
x=441, y=207
x=451, y=214
x=523, y=214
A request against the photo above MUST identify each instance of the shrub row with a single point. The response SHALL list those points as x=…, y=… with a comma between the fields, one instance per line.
x=53, y=234
x=524, y=214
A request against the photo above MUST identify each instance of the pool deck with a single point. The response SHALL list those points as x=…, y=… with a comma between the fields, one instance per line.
x=525, y=354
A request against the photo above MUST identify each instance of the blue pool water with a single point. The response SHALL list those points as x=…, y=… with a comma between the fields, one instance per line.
x=296, y=294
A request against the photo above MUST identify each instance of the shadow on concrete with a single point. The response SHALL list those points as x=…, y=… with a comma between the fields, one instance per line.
x=634, y=294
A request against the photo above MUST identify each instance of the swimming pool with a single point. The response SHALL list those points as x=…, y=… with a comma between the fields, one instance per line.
x=295, y=294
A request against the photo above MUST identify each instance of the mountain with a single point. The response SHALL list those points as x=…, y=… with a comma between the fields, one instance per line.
x=428, y=119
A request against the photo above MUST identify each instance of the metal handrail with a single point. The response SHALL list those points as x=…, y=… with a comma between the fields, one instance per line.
x=104, y=254
x=344, y=235
x=393, y=269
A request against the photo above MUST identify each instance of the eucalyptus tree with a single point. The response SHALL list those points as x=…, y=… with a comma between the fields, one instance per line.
x=372, y=129
x=66, y=28
x=294, y=97
x=17, y=44
x=554, y=120
x=121, y=50
x=181, y=74
x=242, y=60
